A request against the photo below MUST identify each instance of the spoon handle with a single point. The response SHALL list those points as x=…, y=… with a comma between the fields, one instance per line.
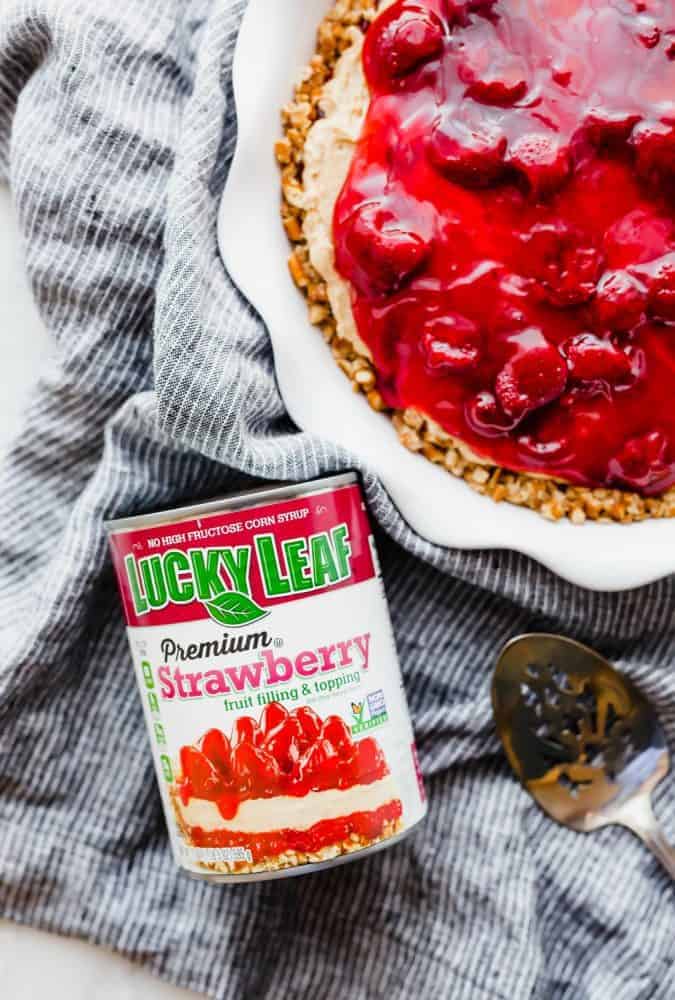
x=665, y=852
x=639, y=817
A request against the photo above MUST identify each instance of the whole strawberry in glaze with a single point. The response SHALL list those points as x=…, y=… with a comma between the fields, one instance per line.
x=565, y=265
x=636, y=238
x=660, y=277
x=535, y=376
x=451, y=343
x=620, y=301
x=319, y=766
x=542, y=160
x=590, y=358
x=654, y=145
x=405, y=36
x=493, y=76
x=610, y=128
x=472, y=155
x=385, y=250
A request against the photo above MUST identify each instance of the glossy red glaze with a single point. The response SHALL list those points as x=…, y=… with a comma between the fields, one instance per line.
x=368, y=825
x=507, y=229
x=290, y=753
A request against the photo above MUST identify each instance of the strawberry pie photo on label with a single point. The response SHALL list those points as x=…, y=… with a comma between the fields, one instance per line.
x=287, y=789
x=480, y=195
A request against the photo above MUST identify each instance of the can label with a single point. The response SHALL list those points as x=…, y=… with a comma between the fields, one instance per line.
x=266, y=662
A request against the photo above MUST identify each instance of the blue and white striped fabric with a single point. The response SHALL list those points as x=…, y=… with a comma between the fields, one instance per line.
x=116, y=130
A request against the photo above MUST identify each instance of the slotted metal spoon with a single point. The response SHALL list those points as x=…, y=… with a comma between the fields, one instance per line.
x=583, y=740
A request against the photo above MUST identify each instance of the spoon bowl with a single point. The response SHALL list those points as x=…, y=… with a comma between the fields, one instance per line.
x=582, y=739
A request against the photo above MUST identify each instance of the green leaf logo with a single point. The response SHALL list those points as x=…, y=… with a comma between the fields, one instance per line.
x=234, y=609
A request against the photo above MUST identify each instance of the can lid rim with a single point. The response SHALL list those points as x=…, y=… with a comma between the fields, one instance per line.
x=230, y=502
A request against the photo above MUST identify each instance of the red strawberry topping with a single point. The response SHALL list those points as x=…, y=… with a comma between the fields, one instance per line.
x=370, y=761
x=515, y=173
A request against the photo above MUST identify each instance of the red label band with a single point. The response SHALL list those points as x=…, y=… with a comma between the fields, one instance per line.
x=233, y=566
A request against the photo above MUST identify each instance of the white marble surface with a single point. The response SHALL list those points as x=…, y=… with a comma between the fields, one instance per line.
x=34, y=964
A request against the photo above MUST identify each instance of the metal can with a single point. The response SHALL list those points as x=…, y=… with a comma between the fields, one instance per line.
x=266, y=662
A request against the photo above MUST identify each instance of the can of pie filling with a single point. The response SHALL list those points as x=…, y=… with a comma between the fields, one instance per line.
x=265, y=658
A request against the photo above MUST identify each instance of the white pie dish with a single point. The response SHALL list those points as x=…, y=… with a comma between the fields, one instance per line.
x=319, y=398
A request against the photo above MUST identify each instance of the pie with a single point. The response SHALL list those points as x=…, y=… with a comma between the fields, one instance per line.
x=481, y=198
x=292, y=789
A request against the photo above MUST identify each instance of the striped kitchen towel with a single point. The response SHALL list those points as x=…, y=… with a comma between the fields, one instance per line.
x=116, y=131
